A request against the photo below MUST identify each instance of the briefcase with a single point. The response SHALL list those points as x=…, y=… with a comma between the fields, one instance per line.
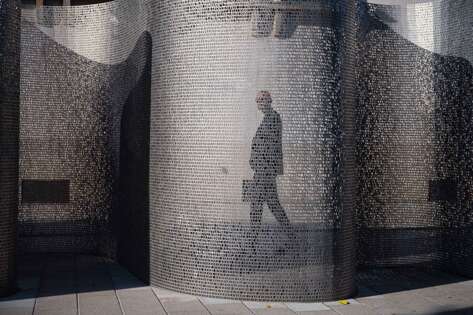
x=248, y=190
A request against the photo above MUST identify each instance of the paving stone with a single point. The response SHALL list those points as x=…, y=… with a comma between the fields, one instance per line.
x=116, y=270
x=354, y=309
x=417, y=292
x=263, y=305
x=337, y=303
x=122, y=279
x=441, y=281
x=61, y=283
x=425, y=295
x=457, y=290
x=402, y=303
x=16, y=311
x=99, y=303
x=127, y=283
x=306, y=307
x=458, y=311
x=56, y=305
x=446, y=297
x=23, y=299
x=364, y=291
x=269, y=308
x=214, y=301
x=178, y=306
x=385, y=288
x=162, y=294
x=381, y=305
x=330, y=312
x=140, y=302
x=95, y=287
x=57, y=294
x=274, y=311
x=228, y=309
x=439, y=275
x=27, y=283
x=441, y=288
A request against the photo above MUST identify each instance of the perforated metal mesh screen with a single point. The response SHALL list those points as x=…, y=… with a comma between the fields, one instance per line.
x=9, y=107
x=415, y=122
x=214, y=141
x=79, y=70
x=211, y=143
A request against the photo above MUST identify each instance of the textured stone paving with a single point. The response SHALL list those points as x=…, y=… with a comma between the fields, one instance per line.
x=87, y=285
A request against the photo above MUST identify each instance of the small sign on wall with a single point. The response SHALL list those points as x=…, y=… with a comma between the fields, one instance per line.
x=45, y=191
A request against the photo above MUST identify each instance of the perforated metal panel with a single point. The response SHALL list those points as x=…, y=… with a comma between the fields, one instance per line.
x=9, y=119
x=215, y=140
x=80, y=66
x=415, y=135
x=293, y=238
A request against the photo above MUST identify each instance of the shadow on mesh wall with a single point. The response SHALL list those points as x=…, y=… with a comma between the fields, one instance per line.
x=132, y=219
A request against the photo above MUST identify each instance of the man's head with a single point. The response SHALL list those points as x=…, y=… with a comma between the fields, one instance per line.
x=263, y=100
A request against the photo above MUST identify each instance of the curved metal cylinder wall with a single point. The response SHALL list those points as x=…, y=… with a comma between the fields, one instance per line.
x=454, y=40
x=213, y=58
x=80, y=66
x=9, y=120
x=415, y=136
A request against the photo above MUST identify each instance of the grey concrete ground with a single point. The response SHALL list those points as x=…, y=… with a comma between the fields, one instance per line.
x=86, y=285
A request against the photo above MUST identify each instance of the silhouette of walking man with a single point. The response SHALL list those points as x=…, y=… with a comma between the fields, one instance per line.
x=267, y=163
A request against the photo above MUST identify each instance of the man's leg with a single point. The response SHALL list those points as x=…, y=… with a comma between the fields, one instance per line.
x=278, y=211
x=255, y=218
x=274, y=205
